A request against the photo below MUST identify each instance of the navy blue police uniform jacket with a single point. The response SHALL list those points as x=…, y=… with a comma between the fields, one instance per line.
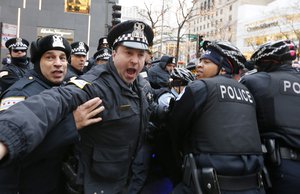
x=217, y=134
x=39, y=171
x=10, y=73
x=108, y=147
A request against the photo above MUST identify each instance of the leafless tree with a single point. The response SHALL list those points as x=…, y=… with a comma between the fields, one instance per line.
x=153, y=16
x=183, y=15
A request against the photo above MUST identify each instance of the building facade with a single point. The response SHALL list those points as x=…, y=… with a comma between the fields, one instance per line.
x=76, y=20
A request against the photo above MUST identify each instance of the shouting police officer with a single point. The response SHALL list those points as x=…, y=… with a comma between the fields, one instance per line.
x=49, y=55
x=213, y=124
x=276, y=90
x=107, y=148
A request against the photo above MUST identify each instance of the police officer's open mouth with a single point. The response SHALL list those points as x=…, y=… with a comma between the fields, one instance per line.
x=131, y=71
x=57, y=72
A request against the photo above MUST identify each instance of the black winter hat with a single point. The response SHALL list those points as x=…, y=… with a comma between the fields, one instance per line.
x=132, y=34
x=50, y=42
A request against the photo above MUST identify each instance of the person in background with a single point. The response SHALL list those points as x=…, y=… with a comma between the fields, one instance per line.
x=102, y=56
x=159, y=74
x=49, y=56
x=275, y=88
x=102, y=43
x=19, y=64
x=191, y=66
x=215, y=128
x=77, y=60
x=107, y=148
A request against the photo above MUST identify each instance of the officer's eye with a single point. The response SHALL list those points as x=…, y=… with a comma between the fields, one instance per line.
x=63, y=58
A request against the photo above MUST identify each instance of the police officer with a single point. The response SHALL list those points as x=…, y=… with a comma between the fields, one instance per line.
x=275, y=88
x=49, y=56
x=77, y=60
x=161, y=174
x=180, y=77
x=102, y=56
x=19, y=64
x=213, y=124
x=102, y=44
x=159, y=74
x=107, y=149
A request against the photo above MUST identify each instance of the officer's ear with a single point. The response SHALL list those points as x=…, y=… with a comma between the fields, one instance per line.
x=222, y=71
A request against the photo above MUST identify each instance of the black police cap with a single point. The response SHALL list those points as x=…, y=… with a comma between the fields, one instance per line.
x=132, y=34
x=50, y=42
x=103, y=54
x=101, y=42
x=79, y=48
x=17, y=44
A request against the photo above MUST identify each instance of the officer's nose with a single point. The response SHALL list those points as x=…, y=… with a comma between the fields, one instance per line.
x=57, y=61
x=135, y=59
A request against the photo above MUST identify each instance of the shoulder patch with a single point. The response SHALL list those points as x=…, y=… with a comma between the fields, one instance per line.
x=3, y=73
x=9, y=101
x=79, y=83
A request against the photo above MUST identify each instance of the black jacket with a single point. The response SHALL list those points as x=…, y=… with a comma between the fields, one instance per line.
x=108, y=147
x=10, y=73
x=226, y=114
x=24, y=175
x=278, y=102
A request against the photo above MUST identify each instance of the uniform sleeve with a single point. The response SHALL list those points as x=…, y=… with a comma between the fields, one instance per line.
x=7, y=78
x=185, y=111
x=24, y=125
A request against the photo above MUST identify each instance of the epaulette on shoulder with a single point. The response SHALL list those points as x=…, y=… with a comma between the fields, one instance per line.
x=24, y=82
x=251, y=72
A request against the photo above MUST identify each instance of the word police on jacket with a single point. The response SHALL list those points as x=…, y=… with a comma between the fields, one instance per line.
x=231, y=93
x=290, y=87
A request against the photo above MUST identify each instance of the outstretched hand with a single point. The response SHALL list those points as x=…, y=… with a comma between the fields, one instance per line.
x=87, y=113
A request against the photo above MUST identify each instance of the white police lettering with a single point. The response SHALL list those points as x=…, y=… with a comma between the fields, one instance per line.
x=235, y=94
x=291, y=87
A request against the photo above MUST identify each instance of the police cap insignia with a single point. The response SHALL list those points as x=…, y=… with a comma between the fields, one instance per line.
x=103, y=54
x=50, y=42
x=79, y=48
x=132, y=34
x=17, y=44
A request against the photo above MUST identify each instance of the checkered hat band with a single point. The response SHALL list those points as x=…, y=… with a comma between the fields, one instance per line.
x=129, y=37
x=103, y=55
x=19, y=46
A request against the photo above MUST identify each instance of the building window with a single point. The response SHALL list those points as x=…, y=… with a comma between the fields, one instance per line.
x=230, y=8
x=77, y=6
x=230, y=17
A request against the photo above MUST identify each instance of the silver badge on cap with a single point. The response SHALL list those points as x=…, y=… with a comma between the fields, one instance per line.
x=19, y=42
x=173, y=60
x=57, y=41
x=138, y=30
x=81, y=46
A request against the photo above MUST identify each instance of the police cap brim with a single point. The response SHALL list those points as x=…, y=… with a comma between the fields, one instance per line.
x=134, y=45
